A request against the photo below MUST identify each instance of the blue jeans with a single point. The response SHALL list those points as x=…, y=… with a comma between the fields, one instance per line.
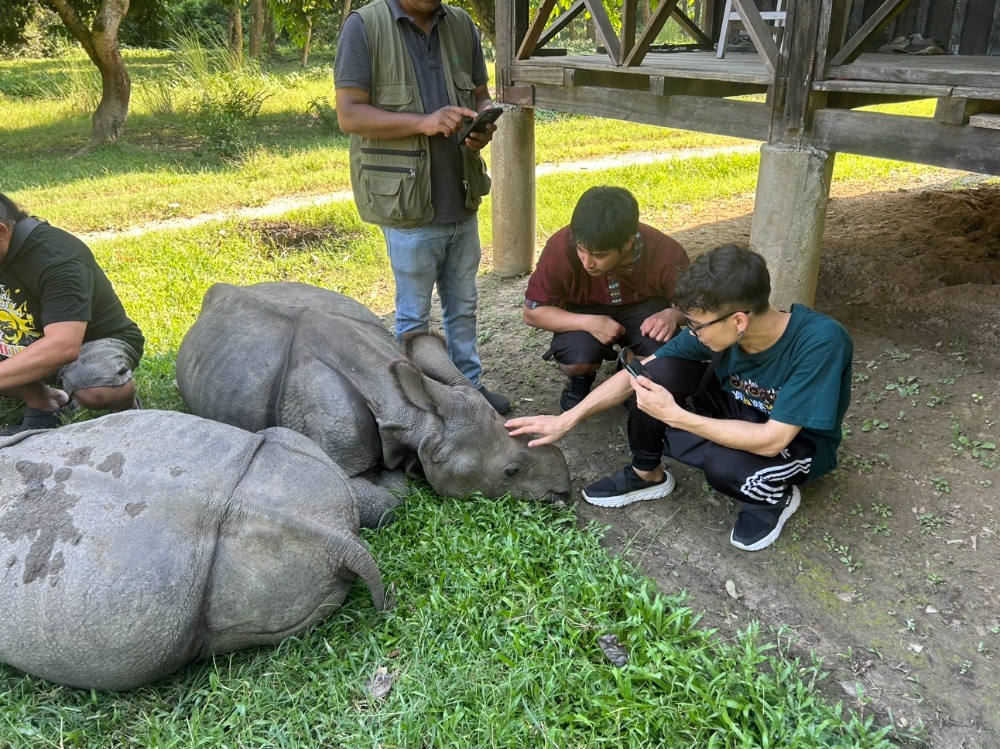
x=448, y=255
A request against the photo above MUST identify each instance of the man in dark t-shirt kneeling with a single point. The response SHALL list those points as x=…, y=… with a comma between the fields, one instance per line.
x=61, y=323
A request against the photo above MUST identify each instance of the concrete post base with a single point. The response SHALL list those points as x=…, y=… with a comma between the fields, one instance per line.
x=513, y=171
x=793, y=186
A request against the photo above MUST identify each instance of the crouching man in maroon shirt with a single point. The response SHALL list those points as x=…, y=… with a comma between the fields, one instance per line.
x=602, y=281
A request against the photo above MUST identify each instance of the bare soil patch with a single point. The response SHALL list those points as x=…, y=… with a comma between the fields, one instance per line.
x=889, y=568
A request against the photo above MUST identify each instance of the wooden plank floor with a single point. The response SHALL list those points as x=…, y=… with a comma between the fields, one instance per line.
x=967, y=72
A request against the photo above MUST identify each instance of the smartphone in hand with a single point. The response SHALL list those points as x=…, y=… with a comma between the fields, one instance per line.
x=631, y=363
x=479, y=124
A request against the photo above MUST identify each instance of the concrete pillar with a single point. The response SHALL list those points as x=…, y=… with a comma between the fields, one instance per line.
x=512, y=165
x=793, y=186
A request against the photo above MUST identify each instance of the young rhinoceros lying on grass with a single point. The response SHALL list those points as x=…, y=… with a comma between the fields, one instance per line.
x=318, y=362
x=141, y=541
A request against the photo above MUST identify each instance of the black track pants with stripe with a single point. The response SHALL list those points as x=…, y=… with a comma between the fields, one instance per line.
x=750, y=478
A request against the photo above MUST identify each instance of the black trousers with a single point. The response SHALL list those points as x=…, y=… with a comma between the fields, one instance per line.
x=580, y=347
x=755, y=479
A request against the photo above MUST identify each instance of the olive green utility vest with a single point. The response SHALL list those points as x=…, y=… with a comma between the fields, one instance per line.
x=391, y=177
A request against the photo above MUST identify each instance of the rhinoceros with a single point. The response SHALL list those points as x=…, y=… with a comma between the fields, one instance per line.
x=135, y=543
x=321, y=363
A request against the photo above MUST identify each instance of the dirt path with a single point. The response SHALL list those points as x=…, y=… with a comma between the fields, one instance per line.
x=283, y=205
x=888, y=571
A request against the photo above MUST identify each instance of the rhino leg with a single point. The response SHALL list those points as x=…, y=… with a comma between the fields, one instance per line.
x=377, y=500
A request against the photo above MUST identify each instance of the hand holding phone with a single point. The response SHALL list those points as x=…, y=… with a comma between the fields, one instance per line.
x=631, y=363
x=479, y=124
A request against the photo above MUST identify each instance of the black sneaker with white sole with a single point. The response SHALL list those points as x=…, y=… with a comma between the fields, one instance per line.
x=626, y=487
x=758, y=526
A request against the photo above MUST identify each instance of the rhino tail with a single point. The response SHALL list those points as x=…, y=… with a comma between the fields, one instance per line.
x=360, y=561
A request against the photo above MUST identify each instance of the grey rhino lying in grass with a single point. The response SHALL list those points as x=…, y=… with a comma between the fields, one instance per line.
x=318, y=362
x=138, y=542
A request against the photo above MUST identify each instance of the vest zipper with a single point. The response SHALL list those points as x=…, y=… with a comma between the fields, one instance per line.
x=393, y=152
x=410, y=172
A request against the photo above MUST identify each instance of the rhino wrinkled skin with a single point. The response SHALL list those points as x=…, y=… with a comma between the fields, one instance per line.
x=138, y=542
x=302, y=357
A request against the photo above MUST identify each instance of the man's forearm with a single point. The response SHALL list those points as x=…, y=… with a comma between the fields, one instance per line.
x=554, y=319
x=767, y=439
x=371, y=122
x=612, y=392
x=33, y=364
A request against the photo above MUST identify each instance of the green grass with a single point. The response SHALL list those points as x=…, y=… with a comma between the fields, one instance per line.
x=493, y=643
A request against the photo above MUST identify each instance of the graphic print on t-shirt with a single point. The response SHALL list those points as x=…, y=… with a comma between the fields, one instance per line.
x=17, y=325
x=752, y=394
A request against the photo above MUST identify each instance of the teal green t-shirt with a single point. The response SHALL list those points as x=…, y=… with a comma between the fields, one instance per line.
x=804, y=379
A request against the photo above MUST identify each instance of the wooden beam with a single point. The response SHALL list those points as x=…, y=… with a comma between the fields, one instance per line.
x=918, y=140
x=662, y=86
x=994, y=44
x=912, y=90
x=740, y=119
x=874, y=25
x=957, y=24
x=560, y=23
x=530, y=40
x=804, y=52
x=627, y=37
x=511, y=25
x=604, y=29
x=649, y=34
x=760, y=33
x=691, y=28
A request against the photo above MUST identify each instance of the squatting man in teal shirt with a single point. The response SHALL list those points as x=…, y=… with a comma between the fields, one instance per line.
x=765, y=421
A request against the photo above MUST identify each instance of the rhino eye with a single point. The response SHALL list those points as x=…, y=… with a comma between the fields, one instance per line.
x=510, y=472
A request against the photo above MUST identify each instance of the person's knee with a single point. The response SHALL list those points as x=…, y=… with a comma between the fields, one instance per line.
x=120, y=398
x=679, y=376
x=579, y=370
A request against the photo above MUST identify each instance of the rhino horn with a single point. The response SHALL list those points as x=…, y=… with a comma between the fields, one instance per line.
x=429, y=352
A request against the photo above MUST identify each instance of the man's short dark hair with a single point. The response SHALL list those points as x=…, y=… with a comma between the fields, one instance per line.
x=10, y=212
x=604, y=219
x=729, y=278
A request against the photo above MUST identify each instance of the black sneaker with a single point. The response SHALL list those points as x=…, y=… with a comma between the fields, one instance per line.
x=758, y=526
x=576, y=390
x=500, y=404
x=35, y=418
x=626, y=487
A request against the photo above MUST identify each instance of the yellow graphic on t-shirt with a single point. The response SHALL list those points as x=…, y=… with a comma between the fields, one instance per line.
x=17, y=325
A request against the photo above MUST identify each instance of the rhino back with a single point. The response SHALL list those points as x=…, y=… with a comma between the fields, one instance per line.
x=293, y=355
x=107, y=535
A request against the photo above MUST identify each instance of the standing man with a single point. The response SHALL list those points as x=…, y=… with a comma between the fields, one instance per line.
x=603, y=280
x=764, y=420
x=60, y=323
x=409, y=74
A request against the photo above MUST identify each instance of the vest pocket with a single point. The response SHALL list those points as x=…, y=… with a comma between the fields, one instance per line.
x=477, y=179
x=464, y=88
x=391, y=192
x=394, y=97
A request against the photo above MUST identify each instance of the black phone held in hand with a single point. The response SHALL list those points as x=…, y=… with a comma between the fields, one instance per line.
x=631, y=363
x=479, y=124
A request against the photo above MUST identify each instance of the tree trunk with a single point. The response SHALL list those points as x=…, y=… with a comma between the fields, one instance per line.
x=485, y=16
x=647, y=12
x=305, y=45
x=272, y=42
x=343, y=16
x=236, y=30
x=101, y=46
x=256, y=28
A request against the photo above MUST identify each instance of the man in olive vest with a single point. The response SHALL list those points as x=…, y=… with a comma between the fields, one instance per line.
x=409, y=74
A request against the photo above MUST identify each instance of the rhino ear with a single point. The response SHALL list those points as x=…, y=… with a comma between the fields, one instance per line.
x=429, y=352
x=417, y=389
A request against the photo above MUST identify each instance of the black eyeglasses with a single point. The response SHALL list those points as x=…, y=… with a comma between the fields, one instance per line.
x=694, y=329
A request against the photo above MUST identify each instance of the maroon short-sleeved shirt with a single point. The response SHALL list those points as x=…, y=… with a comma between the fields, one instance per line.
x=559, y=278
